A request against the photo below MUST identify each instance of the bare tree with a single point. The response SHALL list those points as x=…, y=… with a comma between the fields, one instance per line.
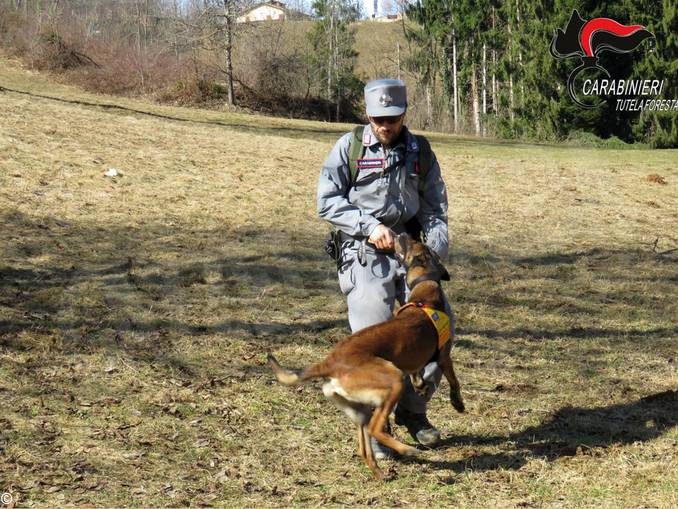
x=229, y=22
x=495, y=104
x=474, y=98
x=210, y=26
x=484, y=88
x=456, y=86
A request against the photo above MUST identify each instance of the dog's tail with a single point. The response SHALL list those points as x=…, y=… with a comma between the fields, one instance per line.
x=291, y=377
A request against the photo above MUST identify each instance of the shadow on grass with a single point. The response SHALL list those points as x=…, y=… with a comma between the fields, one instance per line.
x=571, y=431
x=88, y=286
x=267, y=267
x=572, y=332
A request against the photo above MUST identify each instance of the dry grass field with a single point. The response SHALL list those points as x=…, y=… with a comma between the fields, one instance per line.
x=136, y=311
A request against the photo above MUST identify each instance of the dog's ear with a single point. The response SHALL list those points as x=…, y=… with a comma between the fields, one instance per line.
x=444, y=275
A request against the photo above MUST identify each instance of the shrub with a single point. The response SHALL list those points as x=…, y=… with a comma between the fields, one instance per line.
x=580, y=138
x=193, y=91
x=56, y=54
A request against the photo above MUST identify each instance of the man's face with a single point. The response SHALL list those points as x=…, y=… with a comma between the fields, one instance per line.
x=387, y=129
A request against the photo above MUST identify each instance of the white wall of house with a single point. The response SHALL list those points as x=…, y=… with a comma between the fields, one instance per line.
x=262, y=13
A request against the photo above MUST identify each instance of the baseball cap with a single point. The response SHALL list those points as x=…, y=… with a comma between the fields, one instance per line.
x=385, y=98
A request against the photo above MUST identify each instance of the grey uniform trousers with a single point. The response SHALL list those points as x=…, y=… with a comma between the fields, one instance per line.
x=371, y=291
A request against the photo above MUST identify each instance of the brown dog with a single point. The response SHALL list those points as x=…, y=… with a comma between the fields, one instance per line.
x=366, y=369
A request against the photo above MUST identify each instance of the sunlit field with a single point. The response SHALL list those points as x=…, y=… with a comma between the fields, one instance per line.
x=136, y=312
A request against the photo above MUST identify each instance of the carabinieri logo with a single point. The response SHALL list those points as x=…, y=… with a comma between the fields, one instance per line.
x=587, y=39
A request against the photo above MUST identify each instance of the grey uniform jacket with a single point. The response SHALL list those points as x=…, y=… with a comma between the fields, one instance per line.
x=386, y=191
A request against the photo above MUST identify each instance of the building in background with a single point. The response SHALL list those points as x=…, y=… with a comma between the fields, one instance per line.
x=270, y=11
x=383, y=10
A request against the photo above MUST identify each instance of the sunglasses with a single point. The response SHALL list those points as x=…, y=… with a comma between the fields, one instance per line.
x=386, y=120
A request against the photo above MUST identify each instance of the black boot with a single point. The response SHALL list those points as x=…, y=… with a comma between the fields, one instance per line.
x=418, y=426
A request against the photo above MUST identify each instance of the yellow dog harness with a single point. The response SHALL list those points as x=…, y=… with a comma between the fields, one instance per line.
x=439, y=320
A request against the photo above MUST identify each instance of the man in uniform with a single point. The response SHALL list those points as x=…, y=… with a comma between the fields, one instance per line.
x=367, y=209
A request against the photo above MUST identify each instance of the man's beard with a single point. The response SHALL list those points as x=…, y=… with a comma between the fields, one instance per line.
x=388, y=139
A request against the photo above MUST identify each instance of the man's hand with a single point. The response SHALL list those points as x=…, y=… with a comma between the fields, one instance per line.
x=382, y=238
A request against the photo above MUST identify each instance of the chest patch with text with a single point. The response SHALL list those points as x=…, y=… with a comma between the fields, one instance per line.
x=370, y=164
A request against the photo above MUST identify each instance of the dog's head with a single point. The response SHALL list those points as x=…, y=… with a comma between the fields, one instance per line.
x=419, y=260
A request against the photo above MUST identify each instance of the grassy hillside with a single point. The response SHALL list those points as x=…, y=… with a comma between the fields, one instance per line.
x=135, y=313
x=375, y=44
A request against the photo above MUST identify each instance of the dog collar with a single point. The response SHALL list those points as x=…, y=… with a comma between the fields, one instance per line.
x=439, y=319
x=421, y=279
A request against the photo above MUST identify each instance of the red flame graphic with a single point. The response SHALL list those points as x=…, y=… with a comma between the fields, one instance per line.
x=607, y=25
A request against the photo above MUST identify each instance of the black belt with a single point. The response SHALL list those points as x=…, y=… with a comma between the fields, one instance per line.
x=345, y=237
x=363, y=246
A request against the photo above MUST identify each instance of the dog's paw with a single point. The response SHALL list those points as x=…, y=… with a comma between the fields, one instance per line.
x=391, y=474
x=457, y=401
x=410, y=452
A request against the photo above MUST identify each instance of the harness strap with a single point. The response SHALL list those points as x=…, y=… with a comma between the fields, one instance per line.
x=356, y=150
x=439, y=320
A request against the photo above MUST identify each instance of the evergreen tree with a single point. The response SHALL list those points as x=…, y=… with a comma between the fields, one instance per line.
x=505, y=81
x=430, y=56
x=659, y=128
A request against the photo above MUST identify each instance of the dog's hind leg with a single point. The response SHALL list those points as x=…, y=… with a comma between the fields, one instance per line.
x=377, y=383
x=366, y=453
x=384, y=378
x=378, y=423
x=361, y=441
x=369, y=455
x=360, y=414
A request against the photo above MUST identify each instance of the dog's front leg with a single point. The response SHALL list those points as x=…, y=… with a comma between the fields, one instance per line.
x=448, y=370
